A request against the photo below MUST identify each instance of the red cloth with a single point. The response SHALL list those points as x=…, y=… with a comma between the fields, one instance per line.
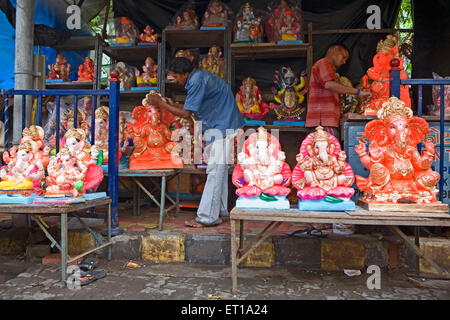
x=323, y=104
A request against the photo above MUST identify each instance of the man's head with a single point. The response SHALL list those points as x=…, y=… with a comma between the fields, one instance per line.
x=180, y=68
x=338, y=54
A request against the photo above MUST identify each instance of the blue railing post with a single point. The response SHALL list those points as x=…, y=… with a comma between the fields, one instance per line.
x=394, y=86
x=6, y=123
x=113, y=151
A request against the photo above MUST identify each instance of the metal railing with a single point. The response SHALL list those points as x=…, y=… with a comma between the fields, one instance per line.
x=113, y=141
x=395, y=84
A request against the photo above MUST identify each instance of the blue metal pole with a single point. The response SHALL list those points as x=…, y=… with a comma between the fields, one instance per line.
x=394, y=86
x=6, y=122
x=442, y=142
x=57, y=122
x=113, y=155
x=419, y=113
x=93, y=103
x=40, y=111
x=75, y=111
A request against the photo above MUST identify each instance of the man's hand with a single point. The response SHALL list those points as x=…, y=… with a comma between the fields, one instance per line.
x=365, y=96
x=154, y=100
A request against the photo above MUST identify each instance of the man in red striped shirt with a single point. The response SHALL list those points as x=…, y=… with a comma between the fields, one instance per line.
x=323, y=102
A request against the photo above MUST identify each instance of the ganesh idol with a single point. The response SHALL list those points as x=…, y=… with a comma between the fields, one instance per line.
x=322, y=176
x=24, y=174
x=152, y=138
x=36, y=134
x=262, y=176
x=83, y=157
x=399, y=174
x=250, y=102
x=101, y=132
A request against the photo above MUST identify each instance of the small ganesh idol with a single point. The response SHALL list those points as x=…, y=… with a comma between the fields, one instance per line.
x=149, y=76
x=212, y=65
x=65, y=177
x=186, y=19
x=377, y=79
x=248, y=26
x=127, y=75
x=24, y=172
x=126, y=144
x=152, y=139
x=126, y=31
x=322, y=176
x=101, y=133
x=400, y=177
x=284, y=23
x=59, y=70
x=217, y=14
x=35, y=134
x=250, y=102
x=86, y=70
x=148, y=36
x=262, y=176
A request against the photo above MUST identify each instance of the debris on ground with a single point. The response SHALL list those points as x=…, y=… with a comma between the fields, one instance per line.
x=168, y=275
x=352, y=273
x=132, y=265
x=211, y=296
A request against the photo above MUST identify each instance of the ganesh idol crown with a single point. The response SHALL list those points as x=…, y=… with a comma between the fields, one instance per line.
x=400, y=177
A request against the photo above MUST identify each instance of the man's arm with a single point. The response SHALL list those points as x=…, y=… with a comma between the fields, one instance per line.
x=341, y=89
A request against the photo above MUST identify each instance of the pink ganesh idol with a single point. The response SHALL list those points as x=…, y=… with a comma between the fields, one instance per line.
x=261, y=175
x=322, y=176
x=400, y=179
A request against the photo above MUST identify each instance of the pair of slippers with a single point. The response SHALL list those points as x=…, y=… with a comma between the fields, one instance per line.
x=88, y=273
x=307, y=233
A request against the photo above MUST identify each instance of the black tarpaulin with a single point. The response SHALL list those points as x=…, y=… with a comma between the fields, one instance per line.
x=324, y=14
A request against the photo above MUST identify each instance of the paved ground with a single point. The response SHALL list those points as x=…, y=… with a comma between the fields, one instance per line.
x=21, y=280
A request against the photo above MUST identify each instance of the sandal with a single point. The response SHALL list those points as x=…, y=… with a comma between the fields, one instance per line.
x=91, y=276
x=88, y=264
x=307, y=233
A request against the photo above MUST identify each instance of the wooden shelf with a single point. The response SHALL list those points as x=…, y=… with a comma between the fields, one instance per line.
x=71, y=85
x=134, y=53
x=361, y=117
x=249, y=51
x=194, y=38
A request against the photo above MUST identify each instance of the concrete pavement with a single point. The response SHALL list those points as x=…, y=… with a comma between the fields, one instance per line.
x=199, y=282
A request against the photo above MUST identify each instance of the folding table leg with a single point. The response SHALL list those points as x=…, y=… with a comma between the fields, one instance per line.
x=178, y=196
x=64, y=246
x=233, y=257
x=162, y=203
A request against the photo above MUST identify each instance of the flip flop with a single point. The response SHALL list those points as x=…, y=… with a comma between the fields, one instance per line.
x=91, y=276
x=88, y=264
x=194, y=224
x=307, y=233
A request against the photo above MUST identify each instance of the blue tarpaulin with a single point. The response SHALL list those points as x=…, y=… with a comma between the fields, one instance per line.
x=51, y=13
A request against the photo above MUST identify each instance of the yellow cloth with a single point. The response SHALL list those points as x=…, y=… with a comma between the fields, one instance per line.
x=254, y=109
x=11, y=184
x=288, y=37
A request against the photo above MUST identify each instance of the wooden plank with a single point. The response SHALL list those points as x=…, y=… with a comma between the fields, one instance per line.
x=363, y=212
x=404, y=207
x=53, y=209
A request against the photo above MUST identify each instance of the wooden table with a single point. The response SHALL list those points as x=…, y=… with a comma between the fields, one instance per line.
x=164, y=174
x=358, y=217
x=63, y=210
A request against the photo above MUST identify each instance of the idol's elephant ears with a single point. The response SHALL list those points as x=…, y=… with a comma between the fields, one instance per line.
x=418, y=129
x=376, y=130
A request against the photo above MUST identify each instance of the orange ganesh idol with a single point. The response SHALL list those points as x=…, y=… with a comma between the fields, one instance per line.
x=152, y=139
x=262, y=177
x=401, y=179
x=322, y=176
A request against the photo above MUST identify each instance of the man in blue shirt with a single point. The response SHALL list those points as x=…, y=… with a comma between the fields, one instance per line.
x=211, y=101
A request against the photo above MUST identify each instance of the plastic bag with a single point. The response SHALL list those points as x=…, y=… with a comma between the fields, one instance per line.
x=284, y=22
x=217, y=14
x=248, y=26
